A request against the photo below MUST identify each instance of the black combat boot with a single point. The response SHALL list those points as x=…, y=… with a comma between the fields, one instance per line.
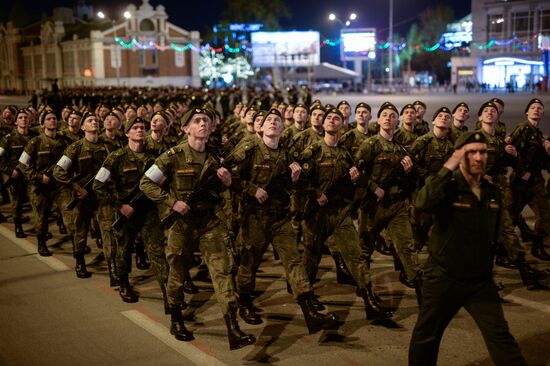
x=188, y=285
x=372, y=308
x=538, y=250
x=19, y=233
x=80, y=267
x=527, y=234
x=343, y=276
x=167, y=309
x=126, y=291
x=529, y=275
x=177, y=328
x=113, y=278
x=417, y=283
x=247, y=310
x=315, y=321
x=317, y=305
x=42, y=247
x=237, y=338
x=60, y=224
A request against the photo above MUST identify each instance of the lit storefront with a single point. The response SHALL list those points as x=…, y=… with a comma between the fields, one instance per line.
x=498, y=72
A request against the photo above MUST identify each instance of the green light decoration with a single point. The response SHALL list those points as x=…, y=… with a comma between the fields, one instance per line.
x=384, y=46
x=123, y=44
x=433, y=48
x=488, y=45
x=179, y=48
x=231, y=49
x=334, y=43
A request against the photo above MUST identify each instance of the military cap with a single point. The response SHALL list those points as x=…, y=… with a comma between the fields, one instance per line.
x=332, y=110
x=21, y=110
x=259, y=114
x=132, y=121
x=387, y=105
x=487, y=104
x=469, y=137
x=362, y=105
x=112, y=113
x=461, y=104
x=251, y=108
x=76, y=111
x=274, y=111
x=87, y=114
x=13, y=108
x=163, y=114
x=329, y=106
x=342, y=102
x=498, y=101
x=301, y=105
x=418, y=102
x=533, y=101
x=316, y=106
x=441, y=110
x=190, y=113
x=407, y=106
x=44, y=114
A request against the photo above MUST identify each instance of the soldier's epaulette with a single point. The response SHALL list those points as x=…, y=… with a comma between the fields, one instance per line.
x=311, y=150
x=242, y=151
x=174, y=150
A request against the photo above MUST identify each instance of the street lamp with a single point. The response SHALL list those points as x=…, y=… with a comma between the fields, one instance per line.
x=332, y=17
x=126, y=15
x=390, y=63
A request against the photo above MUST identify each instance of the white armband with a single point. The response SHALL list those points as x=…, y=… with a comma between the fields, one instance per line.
x=103, y=175
x=154, y=173
x=25, y=158
x=65, y=162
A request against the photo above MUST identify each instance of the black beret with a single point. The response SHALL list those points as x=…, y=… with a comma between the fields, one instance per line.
x=259, y=114
x=469, y=137
x=131, y=122
x=362, y=105
x=461, y=104
x=498, y=100
x=487, y=104
x=77, y=112
x=533, y=101
x=251, y=108
x=22, y=110
x=417, y=102
x=440, y=110
x=316, y=106
x=163, y=114
x=342, y=102
x=300, y=105
x=387, y=105
x=44, y=114
x=407, y=106
x=332, y=110
x=190, y=113
x=274, y=111
x=112, y=113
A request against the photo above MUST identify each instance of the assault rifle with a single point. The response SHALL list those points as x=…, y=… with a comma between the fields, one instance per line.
x=88, y=187
x=49, y=173
x=134, y=199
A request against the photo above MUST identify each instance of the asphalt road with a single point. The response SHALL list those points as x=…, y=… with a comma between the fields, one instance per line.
x=50, y=317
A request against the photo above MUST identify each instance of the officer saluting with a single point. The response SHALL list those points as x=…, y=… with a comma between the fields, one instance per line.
x=467, y=213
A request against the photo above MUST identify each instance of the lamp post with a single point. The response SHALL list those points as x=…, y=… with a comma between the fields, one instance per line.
x=332, y=17
x=390, y=48
x=127, y=15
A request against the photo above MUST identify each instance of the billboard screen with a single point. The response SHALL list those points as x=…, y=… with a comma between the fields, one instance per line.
x=285, y=49
x=358, y=43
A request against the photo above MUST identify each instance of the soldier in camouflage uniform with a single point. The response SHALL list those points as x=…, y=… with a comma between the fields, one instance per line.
x=501, y=126
x=116, y=180
x=386, y=171
x=405, y=135
x=344, y=107
x=37, y=162
x=329, y=170
x=429, y=153
x=175, y=174
x=527, y=181
x=11, y=147
x=509, y=252
x=266, y=171
x=299, y=118
x=155, y=143
x=422, y=127
x=76, y=168
x=461, y=114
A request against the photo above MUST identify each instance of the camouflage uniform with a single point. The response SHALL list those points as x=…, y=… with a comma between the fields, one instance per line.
x=119, y=175
x=456, y=132
x=204, y=226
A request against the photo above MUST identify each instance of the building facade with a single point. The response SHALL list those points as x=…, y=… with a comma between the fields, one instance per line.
x=509, y=47
x=78, y=48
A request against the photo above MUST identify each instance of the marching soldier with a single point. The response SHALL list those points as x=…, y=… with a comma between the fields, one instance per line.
x=422, y=127
x=37, y=162
x=406, y=135
x=344, y=107
x=11, y=147
x=77, y=168
x=117, y=183
x=265, y=171
x=461, y=113
x=185, y=169
x=328, y=169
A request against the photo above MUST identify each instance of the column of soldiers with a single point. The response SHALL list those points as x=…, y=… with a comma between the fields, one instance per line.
x=168, y=171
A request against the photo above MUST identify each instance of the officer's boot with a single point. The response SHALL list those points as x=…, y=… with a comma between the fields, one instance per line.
x=19, y=233
x=42, y=247
x=113, y=278
x=142, y=261
x=372, y=309
x=237, y=338
x=247, y=310
x=315, y=321
x=80, y=267
x=342, y=272
x=502, y=259
x=529, y=275
x=538, y=250
x=177, y=328
x=60, y=224
x=126, y=291
x=165, y=298
x=317, y=305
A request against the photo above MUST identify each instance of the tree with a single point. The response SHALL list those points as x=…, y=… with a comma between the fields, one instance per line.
x=256, y=11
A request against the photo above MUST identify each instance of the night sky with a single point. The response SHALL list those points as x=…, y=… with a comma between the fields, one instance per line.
x=305, y=14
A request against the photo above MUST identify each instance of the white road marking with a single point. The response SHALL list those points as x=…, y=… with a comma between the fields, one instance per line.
x=528, y=303
x=186, y=349
x=30, y=248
